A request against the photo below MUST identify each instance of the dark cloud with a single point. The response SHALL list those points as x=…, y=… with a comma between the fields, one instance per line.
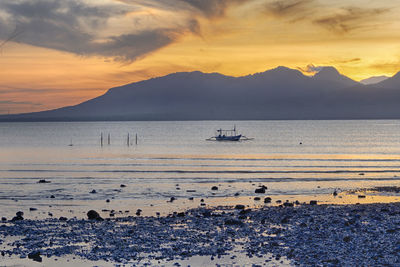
x=77, y=27
x=291, y=9
x=350, y=18
x=340, y=20
x=345, y=61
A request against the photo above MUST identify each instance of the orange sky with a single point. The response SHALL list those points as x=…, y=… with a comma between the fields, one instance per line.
x=56, y=54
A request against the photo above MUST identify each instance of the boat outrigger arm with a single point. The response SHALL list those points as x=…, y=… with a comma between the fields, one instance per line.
x=228, y=135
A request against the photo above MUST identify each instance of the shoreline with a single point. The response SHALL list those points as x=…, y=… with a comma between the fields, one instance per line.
x=327, y=234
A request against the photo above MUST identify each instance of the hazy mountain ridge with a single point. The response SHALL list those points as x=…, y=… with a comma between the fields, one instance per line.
x=280, y=93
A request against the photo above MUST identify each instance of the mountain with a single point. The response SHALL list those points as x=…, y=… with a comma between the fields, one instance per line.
x=373, y=80
x=330, y=74
x=392, y=82
x=280, y=93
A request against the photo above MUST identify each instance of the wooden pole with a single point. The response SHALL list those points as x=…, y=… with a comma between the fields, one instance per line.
x=136, y=140
x=109, y=141
x=127, y=141
x=101, y=139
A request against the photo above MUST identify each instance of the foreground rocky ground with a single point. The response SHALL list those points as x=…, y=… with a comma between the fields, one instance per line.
x=307, y=235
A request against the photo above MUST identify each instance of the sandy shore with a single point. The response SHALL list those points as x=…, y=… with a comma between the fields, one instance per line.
x=306, y=235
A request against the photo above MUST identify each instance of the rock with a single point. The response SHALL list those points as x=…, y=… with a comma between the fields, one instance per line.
x=361, y=196
x=191, y=198
x=32, y=209
x=267, y=200
x=237, y=194
x=313, y=202
x=260, y=190
x=63, y=219
x=172, y=199
x=239, y=207
x=35, y=255
x=43, y=181
x=107, y=200
x=334, y=193
x=257, y=198
x=93, y=192
x=138, y=212
x=180, y=214
x=18, y=216
x=3, y=219
x=347, y=239
x=233, y=222
x=288, y=204
x=214, y=188
x=122, y=186
x=52, y=196
x=93, y=215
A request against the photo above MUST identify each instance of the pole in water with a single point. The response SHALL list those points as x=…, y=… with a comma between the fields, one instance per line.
x=127, y=140
x=109, y=139
x=101, y=139
x=136, y=140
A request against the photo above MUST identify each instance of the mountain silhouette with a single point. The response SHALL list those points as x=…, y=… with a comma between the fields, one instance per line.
x=374, y=80
x=280, y=93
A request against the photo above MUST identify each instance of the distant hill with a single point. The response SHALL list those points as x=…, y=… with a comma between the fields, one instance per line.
x=374, y=80
x=280, y=93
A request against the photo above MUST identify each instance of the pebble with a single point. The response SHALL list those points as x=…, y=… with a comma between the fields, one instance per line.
x=306, y=235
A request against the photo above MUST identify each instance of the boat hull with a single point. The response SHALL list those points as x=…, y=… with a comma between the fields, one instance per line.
x=228, y=138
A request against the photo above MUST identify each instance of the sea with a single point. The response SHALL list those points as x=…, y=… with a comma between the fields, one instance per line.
x=95, y=165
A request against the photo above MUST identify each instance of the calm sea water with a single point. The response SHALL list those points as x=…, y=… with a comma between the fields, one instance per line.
x=174, y=159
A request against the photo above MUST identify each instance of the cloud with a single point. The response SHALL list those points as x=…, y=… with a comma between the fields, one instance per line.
x=346, y=61
x=292, y=10
x=350, y=18
x=10, y=102
x=337, y=19
x=311, y=69
x=110, y=29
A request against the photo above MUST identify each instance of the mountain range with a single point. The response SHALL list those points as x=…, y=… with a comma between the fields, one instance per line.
x=280, y=93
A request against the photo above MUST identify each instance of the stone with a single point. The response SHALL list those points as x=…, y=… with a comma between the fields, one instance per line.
x=18, y=216
x=267, y=200
x=239, y=207
x=32, y=209
x=214, y=188
x=93, y=192
x=43, y=181
x=347, y=239
x=288, y=204
x=233, y=222
x=94, y=215
x=260, y=190
x=361, y=196
x=52, y=196
x=35, y=255
x=122, y=186
x=63, y=219
x=313, y=202
x=3, y=219
x=257, y=199
x=138, y=212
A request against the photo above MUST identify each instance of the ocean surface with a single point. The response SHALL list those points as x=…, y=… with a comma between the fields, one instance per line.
x=173, y=159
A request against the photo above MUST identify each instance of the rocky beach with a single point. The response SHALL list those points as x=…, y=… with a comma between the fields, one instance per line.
x=288, y=234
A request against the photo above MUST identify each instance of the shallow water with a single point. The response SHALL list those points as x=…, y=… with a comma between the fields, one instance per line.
x=173, y=159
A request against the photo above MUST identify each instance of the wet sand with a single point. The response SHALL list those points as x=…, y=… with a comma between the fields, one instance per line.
x=287, y=234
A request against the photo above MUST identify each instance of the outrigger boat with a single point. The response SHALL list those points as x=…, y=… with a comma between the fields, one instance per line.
x=228, y=135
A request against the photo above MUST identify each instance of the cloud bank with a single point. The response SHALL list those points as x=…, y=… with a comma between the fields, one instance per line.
x=124, y=30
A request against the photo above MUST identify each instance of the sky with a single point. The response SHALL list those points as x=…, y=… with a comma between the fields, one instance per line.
x=55, y=53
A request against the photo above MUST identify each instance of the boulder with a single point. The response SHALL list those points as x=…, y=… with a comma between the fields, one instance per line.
x=94, y=215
